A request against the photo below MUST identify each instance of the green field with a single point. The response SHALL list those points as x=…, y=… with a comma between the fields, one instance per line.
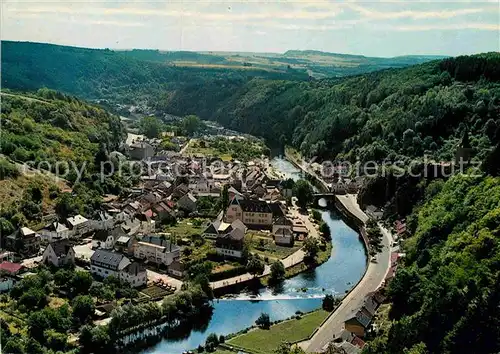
x=261, y=341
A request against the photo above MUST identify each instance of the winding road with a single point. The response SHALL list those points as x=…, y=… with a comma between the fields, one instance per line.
x=371, y=281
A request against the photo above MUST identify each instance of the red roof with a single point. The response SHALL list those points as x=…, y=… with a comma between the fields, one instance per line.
x=10, y=267
x=394, y=258
x=358, y=342
x=148, y=213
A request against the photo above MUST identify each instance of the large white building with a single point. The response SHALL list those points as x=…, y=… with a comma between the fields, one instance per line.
x=54, y=231
x=106, y=263
x=157, y=250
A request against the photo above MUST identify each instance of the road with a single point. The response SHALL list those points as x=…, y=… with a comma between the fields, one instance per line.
x=185, y=146
x=371, y=281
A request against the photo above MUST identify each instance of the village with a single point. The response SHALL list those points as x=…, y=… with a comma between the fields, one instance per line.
x=191, y=209
x=213, y=202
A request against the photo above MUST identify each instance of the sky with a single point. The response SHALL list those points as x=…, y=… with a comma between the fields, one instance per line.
x=372, y=28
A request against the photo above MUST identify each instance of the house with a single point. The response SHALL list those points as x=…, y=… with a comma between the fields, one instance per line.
x=180, y=191
x=6, y=283
x=300, y=231
x=104, y=263
x=146, y=222
x=358, y=322
x=157, y=249
x=282, y=231
x=187, y=203
x=234, y=193
x=54, y=231
x=24, y=241
x=177, y=269
x=141, y=150
x=106, y=239
x=283, y=237
x=259, y=191
x=135, y=274
x=374, y=212
x=400, y=227
x=252, y=212
x=59, y=253
x=219, y=227
x=104, y=221
x=78, y=225
x=164, y=212
x=9, y=268
x=231, y=244
x=125, y=244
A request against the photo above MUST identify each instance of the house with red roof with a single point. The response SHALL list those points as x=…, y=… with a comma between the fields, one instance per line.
x=9, y=268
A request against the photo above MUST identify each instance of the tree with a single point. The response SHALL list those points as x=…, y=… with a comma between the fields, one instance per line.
x=34, y=298
x=225, y=197
x=55, y=340
x=191, y=124
x=33, y=347
x=94, y=338
x=263, y=321
x=304, y=193
x=83, y=308
x=14, y=346
x=325, y=231
x=212, y=342
x=255, y=265
x=311, y=247
x=151, y=127
x=63, y=277
x=277, y=272
x=328, y=303
x=81, y=283
x=66, y=205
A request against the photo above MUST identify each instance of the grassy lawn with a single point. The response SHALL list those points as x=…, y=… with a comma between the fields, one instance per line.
x=261, y=341
x=187, y=227
x=264, y=245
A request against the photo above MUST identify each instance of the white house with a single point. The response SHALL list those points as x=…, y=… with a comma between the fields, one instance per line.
x=59, y=253
x=231, y=244
x=157, y=250
x=54, y=231
x=104, y=263
x=177, y=269
x=104, y=221
x=135, y=274
x=78, y=225
x=106, y=239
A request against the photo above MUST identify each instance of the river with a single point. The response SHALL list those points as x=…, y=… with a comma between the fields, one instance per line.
x=339, y=274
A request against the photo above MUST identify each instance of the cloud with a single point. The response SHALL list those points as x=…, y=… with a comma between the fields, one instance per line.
x=383, y=15
x=447, y=27
x=175, y=10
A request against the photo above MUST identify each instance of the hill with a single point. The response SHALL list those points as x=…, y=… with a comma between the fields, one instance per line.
x=106, y=74
x=391, y=113
x=57, y=134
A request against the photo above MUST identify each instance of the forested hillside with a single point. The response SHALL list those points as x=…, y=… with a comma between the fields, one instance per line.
x=113, y=75
x=409, y=112
x=447, y=297
x=61, y=135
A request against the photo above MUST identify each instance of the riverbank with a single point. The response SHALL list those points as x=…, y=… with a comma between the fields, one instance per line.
x=262, y=341
x=292, y=156
x=344, y=266
x=372, y=279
